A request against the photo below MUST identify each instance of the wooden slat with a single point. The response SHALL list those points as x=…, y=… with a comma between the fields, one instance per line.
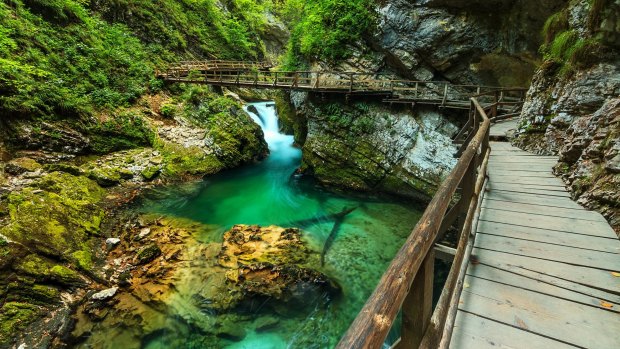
x=575, y=279
x=591, y=277
x=556, y=253
x=473, y=331
x=549, y=236
x=571, y=225
x=548, y=181
x=542, y=188
x=521, y=173
x=540, y=200
x=538, y=192
x=554, y=318
x=506, y=277
x=579, y=213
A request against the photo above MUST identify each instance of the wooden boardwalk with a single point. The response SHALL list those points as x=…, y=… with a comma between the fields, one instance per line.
x=544, y=270
x=259, y=75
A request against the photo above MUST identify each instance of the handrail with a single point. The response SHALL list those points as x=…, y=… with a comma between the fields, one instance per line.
x=407, y=282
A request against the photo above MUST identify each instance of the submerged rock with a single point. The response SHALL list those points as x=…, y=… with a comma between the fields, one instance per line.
x=270, y=262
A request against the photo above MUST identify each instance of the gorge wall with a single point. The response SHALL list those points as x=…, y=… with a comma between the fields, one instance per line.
x=572, y=108
x=366, y=145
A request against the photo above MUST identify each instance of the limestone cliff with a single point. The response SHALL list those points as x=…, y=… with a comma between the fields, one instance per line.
x=572, y=107
x=372, y=147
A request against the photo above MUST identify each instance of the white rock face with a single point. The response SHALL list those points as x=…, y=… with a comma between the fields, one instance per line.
x=105, y=294
x=111, y=242
x=371, y=147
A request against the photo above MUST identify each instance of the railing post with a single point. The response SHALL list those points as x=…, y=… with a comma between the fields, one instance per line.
x=418, y=305
x=350, y=82
x=445, y=95
x=275, y=81
x=416, y=90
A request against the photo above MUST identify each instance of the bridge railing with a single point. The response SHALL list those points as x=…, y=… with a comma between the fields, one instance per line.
x=250, y=74
x=407, y=284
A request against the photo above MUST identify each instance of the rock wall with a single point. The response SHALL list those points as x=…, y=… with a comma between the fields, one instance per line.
x=367, y=146
x=484, y=42
x=572, y=110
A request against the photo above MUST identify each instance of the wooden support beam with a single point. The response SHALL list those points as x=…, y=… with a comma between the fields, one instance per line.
x=418, y=305
x=444, y=253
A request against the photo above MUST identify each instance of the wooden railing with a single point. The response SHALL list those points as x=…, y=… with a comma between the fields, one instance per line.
x=407, y=284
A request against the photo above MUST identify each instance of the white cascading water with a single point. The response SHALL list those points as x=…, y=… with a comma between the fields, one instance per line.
x=267, y=118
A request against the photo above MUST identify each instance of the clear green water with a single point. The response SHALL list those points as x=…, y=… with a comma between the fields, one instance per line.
x=267, y=193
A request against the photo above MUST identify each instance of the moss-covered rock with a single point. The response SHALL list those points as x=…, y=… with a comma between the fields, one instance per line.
x=56, y=216
x=150, y=173
x=21, y=165
x=14, y=317
x=70, y=169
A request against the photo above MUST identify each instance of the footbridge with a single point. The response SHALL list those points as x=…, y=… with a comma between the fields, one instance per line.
x=350, y=84
x=531, y=268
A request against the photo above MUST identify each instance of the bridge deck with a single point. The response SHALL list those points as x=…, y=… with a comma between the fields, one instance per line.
x=544, y=270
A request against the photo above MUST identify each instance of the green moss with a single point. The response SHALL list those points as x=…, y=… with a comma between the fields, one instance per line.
x=181, y=161
x=70, y=169
x=555, y=24
x=84, y=259
x=14, y=317
x=56, y=216
x=124, y=131
x=64, y=275
x=150, y=173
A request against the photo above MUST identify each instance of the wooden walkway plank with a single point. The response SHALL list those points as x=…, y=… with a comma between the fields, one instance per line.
x=527, y=180
x=536, y=174
x=536, y=209
x=473, y=331
x=556, y=274
x=540, y=200
x=555, y=318
x=523, y=190
x=570, y=225
x=549, y=236
x=496, y=274
x=590, y=277
x=557, y=253
x=544, y=189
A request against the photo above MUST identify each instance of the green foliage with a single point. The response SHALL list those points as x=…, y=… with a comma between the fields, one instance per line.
x=571, y=52
x=124, y=131
x=354, y=118
x=324, y=28
x=557, y=23
x=69, y=58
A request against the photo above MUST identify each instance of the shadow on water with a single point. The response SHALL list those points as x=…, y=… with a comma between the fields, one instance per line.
x=356, y=237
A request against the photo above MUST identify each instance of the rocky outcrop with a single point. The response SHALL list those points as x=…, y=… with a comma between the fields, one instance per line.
x=488, y=42
x=195, y=280
x=268, y=262
x=370, y=147
x=572, y=106
x=56, y=204
x=590, y=160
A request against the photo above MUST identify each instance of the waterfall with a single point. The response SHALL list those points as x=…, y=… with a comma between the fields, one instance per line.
x=280, y=145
